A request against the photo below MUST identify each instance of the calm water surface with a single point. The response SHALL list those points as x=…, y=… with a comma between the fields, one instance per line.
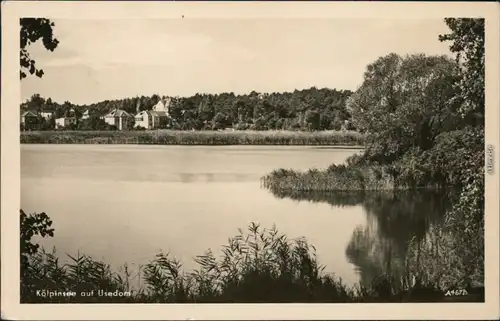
x=125, y=203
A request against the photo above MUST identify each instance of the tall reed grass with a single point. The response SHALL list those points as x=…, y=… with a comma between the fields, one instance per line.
x=173, y=137
x=257, y=266
x=357, y=174
x=334, y=178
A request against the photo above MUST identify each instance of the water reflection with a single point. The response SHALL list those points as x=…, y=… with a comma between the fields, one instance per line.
x=393, y=219
x=337, y=199
x=214, y=177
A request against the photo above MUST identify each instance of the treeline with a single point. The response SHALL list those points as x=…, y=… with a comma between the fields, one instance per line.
x=310, y=109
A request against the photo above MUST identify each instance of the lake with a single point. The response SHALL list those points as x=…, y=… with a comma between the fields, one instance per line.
x=125, y=203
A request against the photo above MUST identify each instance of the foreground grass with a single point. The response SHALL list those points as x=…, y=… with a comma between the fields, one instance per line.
x=173, y=137
x=257, y=266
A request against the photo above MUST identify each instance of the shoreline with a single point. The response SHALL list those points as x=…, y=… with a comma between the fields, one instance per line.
x=281, y=146
x=283, y=277
x=326, y=139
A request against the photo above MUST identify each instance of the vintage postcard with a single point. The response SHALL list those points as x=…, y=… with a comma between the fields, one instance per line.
x=249, y=160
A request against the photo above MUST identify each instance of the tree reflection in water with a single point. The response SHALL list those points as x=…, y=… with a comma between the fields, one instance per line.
x=394, y=221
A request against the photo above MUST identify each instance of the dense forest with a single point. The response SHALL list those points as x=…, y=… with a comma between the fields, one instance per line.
x=310, y=109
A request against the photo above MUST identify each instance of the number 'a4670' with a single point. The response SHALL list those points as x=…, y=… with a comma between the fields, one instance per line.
x=456, y=292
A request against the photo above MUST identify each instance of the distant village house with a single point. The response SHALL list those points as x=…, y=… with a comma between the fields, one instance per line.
x=47, y=114
x=65, y=122
x=29, y=120
x=119, y=118
x=86, y=114
x=151, y=119
x=156, y=118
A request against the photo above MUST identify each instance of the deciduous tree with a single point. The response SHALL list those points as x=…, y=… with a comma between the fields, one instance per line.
x=403, y=102
x=467, y=43
x=32, y=30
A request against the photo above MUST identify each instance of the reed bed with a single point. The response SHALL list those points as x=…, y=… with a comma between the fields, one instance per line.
x=357, y=174
x=173, y=137
x=335, y=178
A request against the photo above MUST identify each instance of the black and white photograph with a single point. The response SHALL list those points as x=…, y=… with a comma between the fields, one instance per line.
x=215, y=159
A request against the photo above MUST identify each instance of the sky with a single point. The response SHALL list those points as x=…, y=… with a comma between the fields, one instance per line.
x=98, y=60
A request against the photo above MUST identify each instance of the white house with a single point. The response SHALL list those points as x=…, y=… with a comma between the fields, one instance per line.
x=65, y=121
x=119, y=118
x=151, y=119
x=163, y=106
x=156, y=118
x=86, y=114
x=47, y=114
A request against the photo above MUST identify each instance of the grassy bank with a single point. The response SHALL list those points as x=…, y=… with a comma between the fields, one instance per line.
x=173, y=137
x=257, y=266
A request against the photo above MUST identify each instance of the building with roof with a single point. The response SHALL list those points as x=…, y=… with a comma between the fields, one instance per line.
x=119, y=118
x=86, y=114
x=150, y=119
x=47, y=114
x=30, y=120
x=65, y=122
x=156, y=118
x=163, y=105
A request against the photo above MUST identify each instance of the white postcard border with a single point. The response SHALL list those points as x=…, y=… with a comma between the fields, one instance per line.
x=10, y=159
